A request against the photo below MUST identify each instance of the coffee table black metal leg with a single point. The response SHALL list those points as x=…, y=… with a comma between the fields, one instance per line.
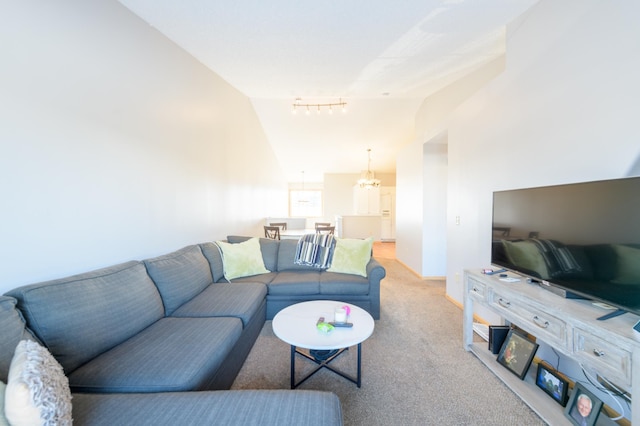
x=293, y=367
x=325, y=364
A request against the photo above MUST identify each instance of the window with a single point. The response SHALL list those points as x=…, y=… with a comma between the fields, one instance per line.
x=306, y=203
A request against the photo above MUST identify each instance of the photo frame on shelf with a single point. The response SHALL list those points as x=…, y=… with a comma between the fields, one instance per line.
x=583, y=407
x=516, y=353
x=549, y=381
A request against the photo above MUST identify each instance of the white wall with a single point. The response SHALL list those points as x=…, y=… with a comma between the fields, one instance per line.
x=117, y=145
x=338, y=192
x=434, y=238
x=564, y=110
x=421, y=174
x=410, y=206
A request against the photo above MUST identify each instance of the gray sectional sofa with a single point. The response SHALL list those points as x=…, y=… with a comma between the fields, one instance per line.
x=290, y=283
x=246, y=407
x=145, y=342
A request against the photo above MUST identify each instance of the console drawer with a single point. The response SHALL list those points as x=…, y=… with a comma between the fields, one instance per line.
x=603, y=355
x=477, y=290
x=541, y=324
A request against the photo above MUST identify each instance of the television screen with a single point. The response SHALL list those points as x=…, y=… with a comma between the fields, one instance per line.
x=582, y=237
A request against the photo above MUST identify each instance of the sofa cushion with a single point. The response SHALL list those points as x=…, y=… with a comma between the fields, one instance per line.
x=179, y=275
x=38, y=391
x=287, y=256
x=3, y=419
x=226, y=300
x=351, y=256
x=268, y=247
x=336, y=283
x=213, y=255
x=229, y=408
x=295, y=283
x=12, y=331
x=261, y=278
x=242, y=259
x=80, y=317
x=174, y=354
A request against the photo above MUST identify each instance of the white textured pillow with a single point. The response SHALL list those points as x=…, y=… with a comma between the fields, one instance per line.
x=3, y=419
x=37, y=390
x=242, y=259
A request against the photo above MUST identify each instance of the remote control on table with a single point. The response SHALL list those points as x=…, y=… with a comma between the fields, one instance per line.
x=341, y=324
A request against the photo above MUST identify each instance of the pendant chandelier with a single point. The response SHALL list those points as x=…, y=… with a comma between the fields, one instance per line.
x=367, y=179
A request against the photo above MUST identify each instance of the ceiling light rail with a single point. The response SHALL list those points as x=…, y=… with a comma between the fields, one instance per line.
x=308, y=108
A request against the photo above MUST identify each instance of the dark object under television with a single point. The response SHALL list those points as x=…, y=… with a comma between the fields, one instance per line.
x=579, y=240
x=552, y=383
x=517, y=353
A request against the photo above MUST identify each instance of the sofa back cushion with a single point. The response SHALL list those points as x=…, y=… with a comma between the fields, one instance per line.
x=213, y=255
x=180, y=276
x=82, y=316
x=269, y=249
x=287, y=257
x=12, y=330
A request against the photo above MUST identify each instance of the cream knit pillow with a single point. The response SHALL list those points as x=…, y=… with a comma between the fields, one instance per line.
x=37, y=390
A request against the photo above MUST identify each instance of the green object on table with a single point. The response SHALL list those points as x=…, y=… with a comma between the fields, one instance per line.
x=325, y=327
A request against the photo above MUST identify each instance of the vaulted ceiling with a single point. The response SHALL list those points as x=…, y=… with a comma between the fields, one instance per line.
x=382, y=57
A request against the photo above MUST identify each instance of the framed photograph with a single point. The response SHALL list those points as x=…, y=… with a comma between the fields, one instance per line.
x=554, y=385
x=517, y=353
x=583, y=407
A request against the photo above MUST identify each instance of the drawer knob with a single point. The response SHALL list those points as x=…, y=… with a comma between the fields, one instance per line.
x=542, y=324
x=504, y=303
x=598, y=352
x=476, y=290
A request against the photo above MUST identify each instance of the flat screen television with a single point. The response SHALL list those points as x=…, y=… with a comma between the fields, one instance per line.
x=583, y=238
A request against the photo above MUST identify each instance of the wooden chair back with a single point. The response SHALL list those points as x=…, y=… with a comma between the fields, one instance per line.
x=272, y=232
x=325, y=230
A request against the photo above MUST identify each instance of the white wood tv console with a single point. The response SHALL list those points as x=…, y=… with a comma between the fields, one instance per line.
x=568, y=325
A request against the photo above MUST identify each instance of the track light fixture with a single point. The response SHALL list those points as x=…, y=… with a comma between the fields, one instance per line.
x=306, y=107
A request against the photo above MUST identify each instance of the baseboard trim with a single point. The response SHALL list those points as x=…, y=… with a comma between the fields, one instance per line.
x=422, y=277
x=454, y=301
x=434, y=278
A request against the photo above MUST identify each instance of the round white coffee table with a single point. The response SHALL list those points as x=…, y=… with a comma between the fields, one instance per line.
x=296, y=325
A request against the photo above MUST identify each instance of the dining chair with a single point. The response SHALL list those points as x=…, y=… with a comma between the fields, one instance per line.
x=325, y=230
x=272, y=232
x=323, y=224
x=281, y=225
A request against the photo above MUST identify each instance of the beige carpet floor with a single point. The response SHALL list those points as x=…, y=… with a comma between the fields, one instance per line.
x=414, y=368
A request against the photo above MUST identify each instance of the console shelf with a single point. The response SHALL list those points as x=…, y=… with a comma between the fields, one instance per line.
x=568, y=325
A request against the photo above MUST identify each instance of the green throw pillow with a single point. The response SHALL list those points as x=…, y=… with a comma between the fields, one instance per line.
x=242, y=259
x=526, y=255
x=628, y=265
x=351, y=256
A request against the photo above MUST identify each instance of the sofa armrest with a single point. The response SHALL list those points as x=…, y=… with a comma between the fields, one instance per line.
x=375, y=271
x=375, y=274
